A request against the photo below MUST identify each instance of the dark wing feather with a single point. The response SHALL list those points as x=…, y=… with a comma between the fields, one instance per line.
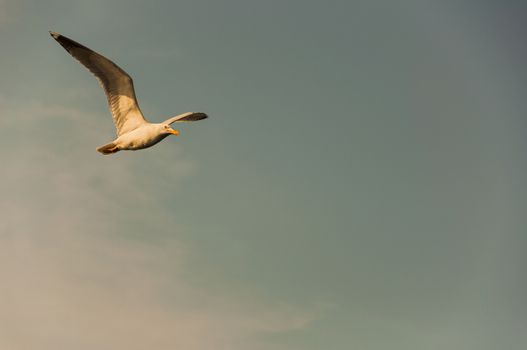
x=186, y=117
x=117, y=84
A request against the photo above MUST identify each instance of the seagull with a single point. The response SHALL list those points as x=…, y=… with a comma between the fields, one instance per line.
x=134, y=132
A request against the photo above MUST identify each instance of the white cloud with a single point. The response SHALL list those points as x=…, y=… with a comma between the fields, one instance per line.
x=74, y=274
x=82, y=292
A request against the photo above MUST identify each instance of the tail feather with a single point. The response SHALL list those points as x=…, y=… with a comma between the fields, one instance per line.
x=108, y=148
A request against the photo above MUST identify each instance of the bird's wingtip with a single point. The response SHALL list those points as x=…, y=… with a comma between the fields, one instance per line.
x=55, y=35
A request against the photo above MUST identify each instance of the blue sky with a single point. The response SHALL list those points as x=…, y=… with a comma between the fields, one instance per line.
x=360, y=182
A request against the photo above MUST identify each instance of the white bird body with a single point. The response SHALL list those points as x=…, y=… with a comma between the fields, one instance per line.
x=133, y=130
x=143, y=137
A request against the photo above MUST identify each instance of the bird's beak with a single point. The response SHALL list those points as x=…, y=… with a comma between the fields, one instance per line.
x=174, y=132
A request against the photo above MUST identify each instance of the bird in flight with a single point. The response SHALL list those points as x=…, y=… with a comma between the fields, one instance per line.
x=133, y=130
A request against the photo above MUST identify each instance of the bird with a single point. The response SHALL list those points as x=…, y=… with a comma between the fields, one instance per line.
x=134, y=132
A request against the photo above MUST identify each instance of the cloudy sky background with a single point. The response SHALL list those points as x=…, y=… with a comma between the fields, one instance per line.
x=359, y=185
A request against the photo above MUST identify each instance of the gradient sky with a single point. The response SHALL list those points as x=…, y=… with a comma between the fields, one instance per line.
x=361, y=183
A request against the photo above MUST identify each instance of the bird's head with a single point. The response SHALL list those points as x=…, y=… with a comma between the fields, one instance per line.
x=168, y=130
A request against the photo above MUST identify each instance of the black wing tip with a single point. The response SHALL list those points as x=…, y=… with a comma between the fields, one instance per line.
x=200, y=115
x=66, y=42
x=55, y=35
x=192, y=117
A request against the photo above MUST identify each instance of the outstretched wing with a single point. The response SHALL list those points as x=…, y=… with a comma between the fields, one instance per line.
x=186, y=117
x=117, y=84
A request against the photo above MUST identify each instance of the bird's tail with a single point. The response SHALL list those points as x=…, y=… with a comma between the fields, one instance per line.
x=108, y=148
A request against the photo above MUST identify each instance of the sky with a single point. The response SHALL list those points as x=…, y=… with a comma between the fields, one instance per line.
x=360, y=183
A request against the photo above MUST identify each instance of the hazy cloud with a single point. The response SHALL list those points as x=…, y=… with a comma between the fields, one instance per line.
x=73, y=276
